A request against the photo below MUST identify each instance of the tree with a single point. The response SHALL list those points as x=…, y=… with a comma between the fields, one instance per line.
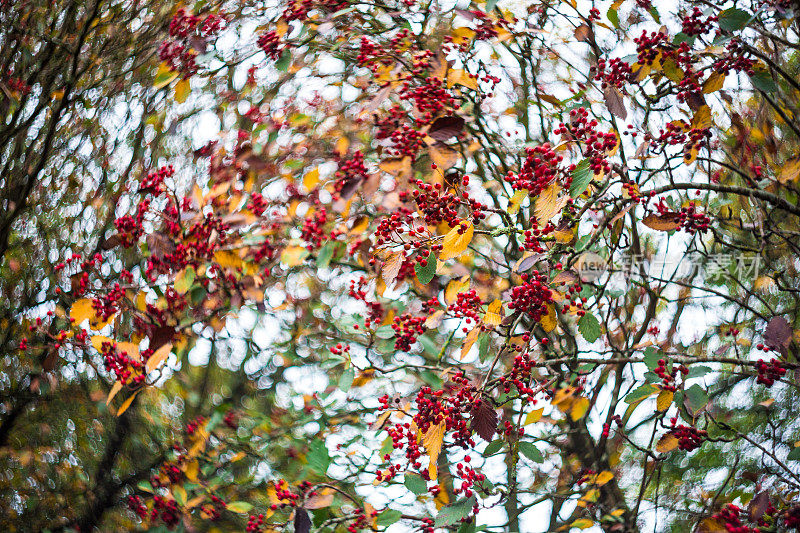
x=345, y=265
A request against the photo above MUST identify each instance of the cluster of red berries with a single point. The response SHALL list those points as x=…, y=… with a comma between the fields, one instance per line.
x=678, y=132
x=136, y=504
x=314, y=229
x=255, y=523
x=438, y=205
x=695, y=24
x=540, y=168
x=729, y=517
x=649, y=45
x=770, y=372
x=375, y=309
x=532, y=296
x=18, y=85
x=270, y=42
x=167, y=510
x=351, y=172
x=185, y=25
x=736, y=59
x=617, y=419
x=126, y=369
x=407, y=328
x=689, y=438
x=520, y=376
x=595, y=143
x=299, y=9
x=189, y=33
x=467, y=305
x=615, y=72
x=668, y=377
x=361, y=520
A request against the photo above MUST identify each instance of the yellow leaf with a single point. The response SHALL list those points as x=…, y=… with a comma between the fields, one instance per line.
x=549, y=203
x=182, y=90
x=443, y=156
x=462, y=35
x=582, y=523
x=129, y=348
x=180, y=494
x=432, y=440
x=98, y=340
x=342, y=145
x=364, y=377
x=293, y=256
x=164, y=76
x=470, y=339
x=441, y=499
x=460, y=77
x=323, y=498
x=516, y=201
x=534, y=416
x=702, y=118
x=548, y=321
x=455, y=287
x=456, y=242
x=397, y=166
x=127, y=403
x=714, y=83
x=140, y=301
x=664, y=400
x=579, y=408
x=311, y=179
x=603, y=477
x=158, y=357
x=493, y=313
x=113, y=392
x=667, y=443
x=192, y=469
x=790, y=170
x=81, y=310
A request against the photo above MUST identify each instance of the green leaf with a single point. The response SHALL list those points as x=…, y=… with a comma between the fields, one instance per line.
x=733, y=19
x=493, y=447
x=651, y=357
x=425, y=273
x=416, y=484
x=325, y=255
x=490, y=5
x=654, y=13
x=581, y=177
x=640, y=393
x=453, y=513
x=762, y=81
x=318, y=458
x=696, y=371
x=589, y=327
x=282, y=64
x=239, y=507
x=384, y=332
x=389, y=517
x=613, y=17
x=696, y=398
x=467, y=527
x=529, y=450
x=184, y=281
x=794, y=455
x=346, y=379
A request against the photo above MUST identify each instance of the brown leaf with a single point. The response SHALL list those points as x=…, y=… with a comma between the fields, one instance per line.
x=778, y=334
x=758, y=505
x=484, y=420
x=323, y=498
x=444, y=128
x=302, y=523
x=665, y=222
x=614, y=102
x=583, y=32
x=391, y=268
x=443, y=156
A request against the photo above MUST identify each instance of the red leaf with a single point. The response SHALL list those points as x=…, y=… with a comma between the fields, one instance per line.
x=446, y=127
x=484, y=420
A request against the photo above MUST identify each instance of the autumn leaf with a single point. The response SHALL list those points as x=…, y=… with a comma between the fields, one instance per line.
x=549, y=203
x=391, y=268
x=127, y=403
x=493, y=315
x=444, y=128
x=456, y=241
x=469, y=341
x=158, y=357
x=484, y=420
x=664, y=400
x=323, y=498
x=661, y=222
x=432, y=441
x=667, y=443
x=443, y=156
x=113, y=392
x=614, y=103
